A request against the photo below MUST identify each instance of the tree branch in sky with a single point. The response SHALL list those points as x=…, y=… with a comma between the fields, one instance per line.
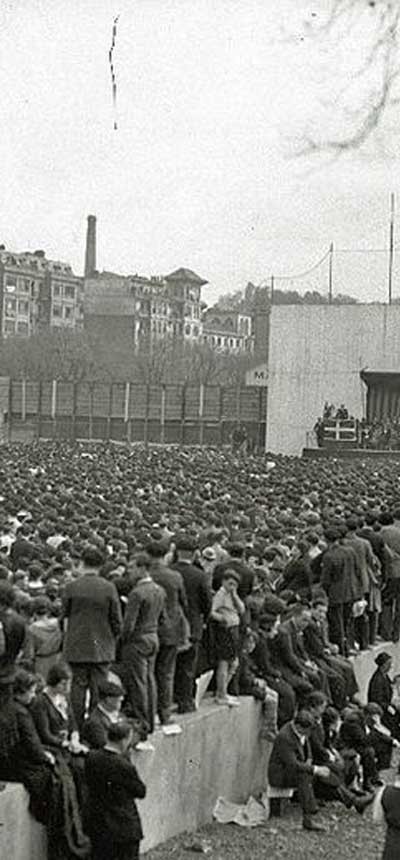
x=360, y=91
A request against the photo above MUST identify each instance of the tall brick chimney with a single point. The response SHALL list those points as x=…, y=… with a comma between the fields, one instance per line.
x=90, y=255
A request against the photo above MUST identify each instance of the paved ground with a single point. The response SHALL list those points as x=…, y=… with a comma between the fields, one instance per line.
x=349, y=837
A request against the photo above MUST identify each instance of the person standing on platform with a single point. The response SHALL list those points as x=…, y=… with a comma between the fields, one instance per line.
x=92, y=611
x=199, y=597
x=140, y=645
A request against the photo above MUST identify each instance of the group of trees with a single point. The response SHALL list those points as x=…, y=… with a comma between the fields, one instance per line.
x=81, y=356
x=251, y=298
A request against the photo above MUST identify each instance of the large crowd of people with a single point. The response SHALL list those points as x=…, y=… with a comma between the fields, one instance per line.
x=127, y=574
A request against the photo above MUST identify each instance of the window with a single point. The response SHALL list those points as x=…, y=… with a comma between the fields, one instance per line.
x=196, y=331
x=218, y=341
x=23, y=308
x=24, y=285
x=68, y=313
x=10, y=307
x=69, y=292
x=22, y=328
x=11, y=283
x=9, y=327
x=187, y=329
x=57, y=311
x=56, y=291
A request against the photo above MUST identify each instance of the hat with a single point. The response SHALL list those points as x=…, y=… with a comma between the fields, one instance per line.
x=209, y=553
x=185, y=543
x=267, y=620
x=382, y=658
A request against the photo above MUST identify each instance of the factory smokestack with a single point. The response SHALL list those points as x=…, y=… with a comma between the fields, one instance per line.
x=90, y=255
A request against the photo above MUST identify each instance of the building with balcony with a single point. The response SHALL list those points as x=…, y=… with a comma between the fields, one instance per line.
x=139, y=307
x=37, y=294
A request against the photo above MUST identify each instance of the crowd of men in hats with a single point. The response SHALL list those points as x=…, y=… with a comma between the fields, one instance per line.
x=126, y=575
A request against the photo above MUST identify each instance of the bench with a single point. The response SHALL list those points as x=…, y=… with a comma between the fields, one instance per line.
x=275, y=796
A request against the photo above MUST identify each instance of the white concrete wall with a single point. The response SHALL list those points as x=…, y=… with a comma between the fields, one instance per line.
x=316, y=354
x=217, y=753
x=21, y=837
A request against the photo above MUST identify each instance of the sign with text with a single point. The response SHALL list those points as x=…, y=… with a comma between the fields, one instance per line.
x=258, y=376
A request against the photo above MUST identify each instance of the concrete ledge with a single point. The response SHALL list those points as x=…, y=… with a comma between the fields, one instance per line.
x=21, y=837
x=218, y=753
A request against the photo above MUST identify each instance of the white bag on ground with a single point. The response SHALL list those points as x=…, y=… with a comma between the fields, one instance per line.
x=251, y=814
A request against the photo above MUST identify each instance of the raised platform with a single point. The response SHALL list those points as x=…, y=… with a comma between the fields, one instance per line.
x=349, y=454
x=217, y=753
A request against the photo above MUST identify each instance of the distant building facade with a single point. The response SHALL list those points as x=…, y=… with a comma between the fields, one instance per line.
x=37, y=294
x=145, y=307
x=228, y=329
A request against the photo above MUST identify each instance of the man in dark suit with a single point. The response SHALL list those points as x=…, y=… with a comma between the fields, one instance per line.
x=199, y=599
x=290, y=765
x=92, y=611
x=140, y=645
x=112, y=820
x=293, y=661
x=173, y=629
x=337, y=576
x=264, y=660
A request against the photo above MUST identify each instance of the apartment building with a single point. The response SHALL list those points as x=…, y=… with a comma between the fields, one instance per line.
x=228, y=330
x=37, y=294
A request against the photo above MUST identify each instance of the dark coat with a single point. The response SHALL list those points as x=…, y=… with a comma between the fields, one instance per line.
x=290, y=648
x=380, y=689
x=391, y=808
x=25, y=752
x=176, y=606
x=198, y=595
x=113, y=784
x=92, y=608
x=353, y=735
x=146, y=606
x=289, y=759
x=14, y=629
x=95, y=729
x=263, y=657
x=338, y=574
x=298, y=577
x=50, y=722
x=319, y=752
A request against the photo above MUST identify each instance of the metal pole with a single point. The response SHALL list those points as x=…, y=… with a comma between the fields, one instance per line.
x=272, y=289
x=391, y=247
x=330, y=293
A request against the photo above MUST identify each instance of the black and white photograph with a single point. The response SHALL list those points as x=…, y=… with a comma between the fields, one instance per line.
x=200, y=429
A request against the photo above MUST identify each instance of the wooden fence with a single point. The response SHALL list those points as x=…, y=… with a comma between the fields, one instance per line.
x=134, y=413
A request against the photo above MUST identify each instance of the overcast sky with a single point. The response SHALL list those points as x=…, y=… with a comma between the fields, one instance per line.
x=210, y=103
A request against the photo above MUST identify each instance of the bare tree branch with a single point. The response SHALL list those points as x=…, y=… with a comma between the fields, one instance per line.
x=358, y=108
